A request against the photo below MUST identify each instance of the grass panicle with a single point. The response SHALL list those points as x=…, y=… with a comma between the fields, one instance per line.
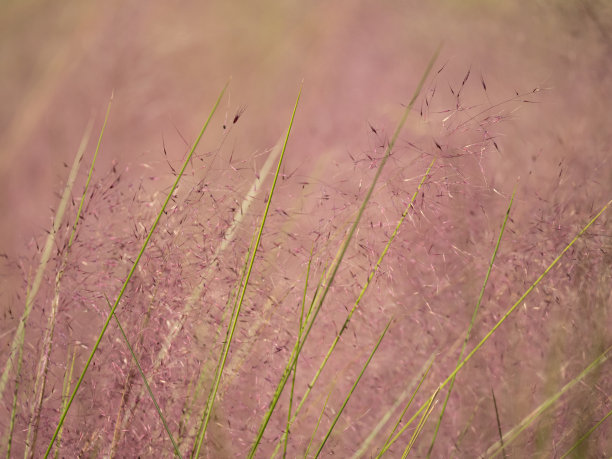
x=129, y=277
x=503, y=319
x=341, y=252
x=236, y=274
x=473, y=320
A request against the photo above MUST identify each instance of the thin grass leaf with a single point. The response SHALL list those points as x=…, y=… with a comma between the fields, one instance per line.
x=234, y=321
x=43, y=364
x=196, y=294
x=507, y=314
x=513, y=433
x=314, y=432
x=130, y=274
x=296, y=348
x=340, y=255
x=11, y=426
x=299, y=338
x=385, y=446
x=65, y=394
x=42, y=266
x=420, y=425
x=371, y=275
x=499, y=429
x=586, y=435
x=350, y=393
x=146, y=383
x=206, y=368
x=473, y=320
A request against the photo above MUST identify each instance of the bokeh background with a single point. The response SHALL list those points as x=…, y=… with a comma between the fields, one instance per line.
x=165, y=62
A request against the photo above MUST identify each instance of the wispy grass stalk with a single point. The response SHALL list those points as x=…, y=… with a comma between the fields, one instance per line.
x=43, y=364
x=195, y=296
x=371, y=275
x=472, y=321
x=11, y=426
x=129, y=379
x=66, y=386
x=504, y=317
x=513, y=433
x=338, y=260
x=298, y=340
x=350, y=393
x=424, y=374
x=318, y=423
x=234, y=319
x=428, y=410
x=146, y=383
x=130, y=274
x=19, y=336
x=586, y=435
x=499, y=428
x=207, y=366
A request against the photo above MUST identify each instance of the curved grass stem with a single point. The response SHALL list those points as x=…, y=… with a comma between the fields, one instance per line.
x=234, y=319
x=129, y=277
x=340, y=255
x=502, y=320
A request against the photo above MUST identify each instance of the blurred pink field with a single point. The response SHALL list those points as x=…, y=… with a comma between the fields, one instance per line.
x=520, y=89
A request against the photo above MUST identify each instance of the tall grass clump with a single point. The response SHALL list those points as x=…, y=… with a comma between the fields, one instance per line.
x=409, y=300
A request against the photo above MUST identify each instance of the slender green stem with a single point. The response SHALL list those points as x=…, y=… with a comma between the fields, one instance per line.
x=586, y=435
x=416, y=390
x=234, y=320
x=504, y=318
x=339, y=257
x=66, y=393
x=129, y=276
x=146, y=383
x=513, y=433
x=297, y=342
x=371, y=275
x=314, y=432
x=350, y=393
x=421, y=424
x=474, y=314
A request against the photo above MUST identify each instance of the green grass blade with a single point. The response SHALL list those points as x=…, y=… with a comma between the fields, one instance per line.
x=43, y=364
x=387, y=442
x=474, y=314
x=44, y=259
x=371, y=275
x=314, y=432
x=297, y=342
x=420, y=425
x=130, y=274
x=146, y=383
x=350, y=393
x=586, y=435
x=65, y=394
x=205, y=368
x=196, y=294
x=508, y=313
x=336, y=264
x=513, y=433
x=234, y=320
